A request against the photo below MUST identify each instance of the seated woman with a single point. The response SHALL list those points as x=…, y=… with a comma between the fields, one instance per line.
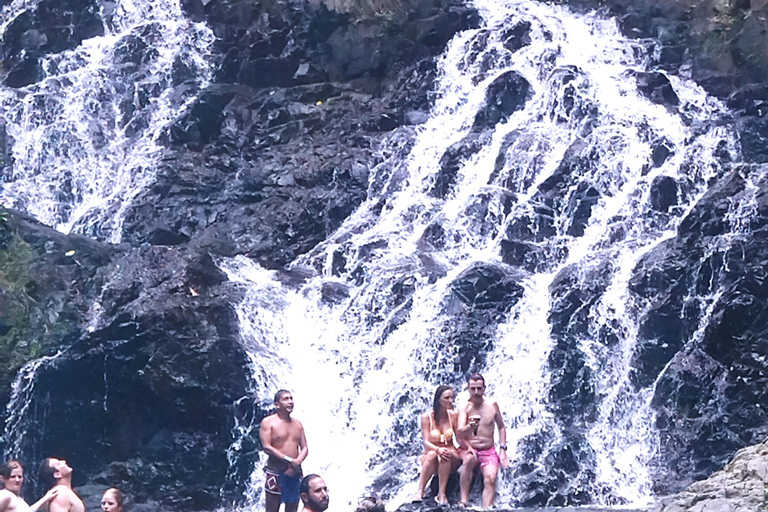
x=441, y=455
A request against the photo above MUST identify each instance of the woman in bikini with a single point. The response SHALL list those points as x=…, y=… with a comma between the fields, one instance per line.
x=441, y=455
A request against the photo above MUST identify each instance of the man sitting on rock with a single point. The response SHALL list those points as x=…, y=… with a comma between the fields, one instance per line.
x=478, y=419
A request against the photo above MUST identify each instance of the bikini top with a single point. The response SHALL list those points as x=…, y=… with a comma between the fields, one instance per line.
x=437, y=437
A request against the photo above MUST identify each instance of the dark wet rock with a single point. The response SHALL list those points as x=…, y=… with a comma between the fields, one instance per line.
x=701, y=424
x=148, y=380
x=517, y=37
x=504, y=96
x=485, y=286
x=580, y=207
x=451, y=163
x=661, y=151
x=47, y=283
x=663, y=193
x=48, y=27
x=657, y=88
x=480, y=298
x=334, y=293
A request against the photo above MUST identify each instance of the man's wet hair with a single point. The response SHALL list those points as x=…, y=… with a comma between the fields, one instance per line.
x=46, y=472
x=280, y=394
x=8, y=466
x=304, y=485
x=476, y=376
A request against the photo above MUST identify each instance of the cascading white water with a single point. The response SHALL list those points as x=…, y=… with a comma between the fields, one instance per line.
x=363, y=367
x=21, y=398
x=85, y=138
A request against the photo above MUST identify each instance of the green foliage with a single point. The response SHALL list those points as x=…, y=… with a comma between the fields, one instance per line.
x=30, y=306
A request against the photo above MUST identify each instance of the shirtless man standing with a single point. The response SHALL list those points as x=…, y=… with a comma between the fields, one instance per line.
x=56, y=474
x=478, y=419
x=12, y=475
x=284, y=441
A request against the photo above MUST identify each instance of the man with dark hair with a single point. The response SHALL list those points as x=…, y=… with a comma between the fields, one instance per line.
x=478, y=419
x=56, y=474
x=286, y=445
x=314, y=493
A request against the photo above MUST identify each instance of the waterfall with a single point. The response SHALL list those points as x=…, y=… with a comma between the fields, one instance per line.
x=21, y=399
x=363, y=341
x=85, y=137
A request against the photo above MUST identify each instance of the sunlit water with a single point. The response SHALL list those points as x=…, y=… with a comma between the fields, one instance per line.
x=362, y=369
x=364, y=366
x=84, y=140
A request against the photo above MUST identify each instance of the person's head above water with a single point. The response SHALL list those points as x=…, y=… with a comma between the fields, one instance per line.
x=314, y=493
x=53, y=471
x=443, y=400
x=284, y=402
x=12, y=474
x=112, y=500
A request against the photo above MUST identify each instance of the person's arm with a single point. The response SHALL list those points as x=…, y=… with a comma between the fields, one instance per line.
x=453, y=416
x=303, y=448
x=429, y=446
x=464, y=426
x=52, y=493
x=503, y=458
x=5, y=500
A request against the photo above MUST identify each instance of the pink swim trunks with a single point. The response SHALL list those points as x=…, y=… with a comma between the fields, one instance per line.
x=489, y=456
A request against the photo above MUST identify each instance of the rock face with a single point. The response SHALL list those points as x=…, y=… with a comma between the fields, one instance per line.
x=149, y=374
x=740, y=485
x=721, y=45
x=272, y=157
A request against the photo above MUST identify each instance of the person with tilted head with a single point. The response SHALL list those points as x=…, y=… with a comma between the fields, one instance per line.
x=478, y=420
x=12, y=477
x=56, y=474
x=282, y=437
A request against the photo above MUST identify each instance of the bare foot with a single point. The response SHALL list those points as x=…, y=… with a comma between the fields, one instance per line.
x=442, y=499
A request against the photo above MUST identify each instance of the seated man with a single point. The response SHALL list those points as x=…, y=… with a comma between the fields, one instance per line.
x=478, y=419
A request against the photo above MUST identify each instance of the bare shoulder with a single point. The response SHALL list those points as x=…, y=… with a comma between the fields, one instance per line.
x=298, y=424
x=6, y=497
x=269, y=420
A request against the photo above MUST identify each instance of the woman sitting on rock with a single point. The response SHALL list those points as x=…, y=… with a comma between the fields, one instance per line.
x=441, y=455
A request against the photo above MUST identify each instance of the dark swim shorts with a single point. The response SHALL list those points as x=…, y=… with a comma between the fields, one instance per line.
x=284, y=485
